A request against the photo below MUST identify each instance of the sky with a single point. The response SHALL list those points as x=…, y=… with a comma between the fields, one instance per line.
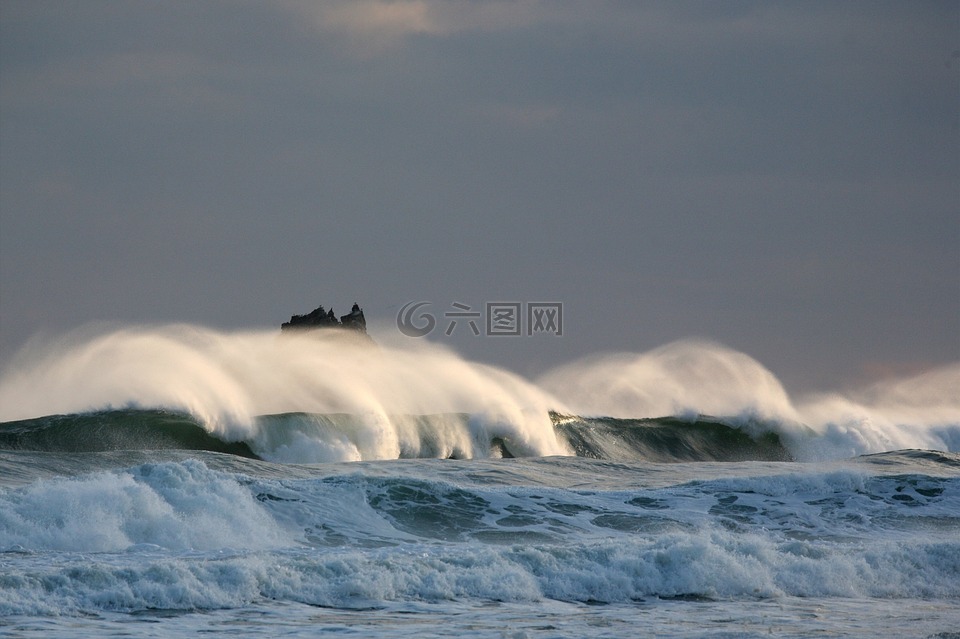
x=782, y=178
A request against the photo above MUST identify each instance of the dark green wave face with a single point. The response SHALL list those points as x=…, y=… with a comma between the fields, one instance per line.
x=668, y=439
x=662, y=440
x=113, y=430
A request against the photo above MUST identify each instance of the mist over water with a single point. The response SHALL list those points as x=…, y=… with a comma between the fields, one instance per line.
x=230, y=380
x=688, y=377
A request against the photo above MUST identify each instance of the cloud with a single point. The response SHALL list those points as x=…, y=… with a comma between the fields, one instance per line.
x=383, y=19
x=375, y=26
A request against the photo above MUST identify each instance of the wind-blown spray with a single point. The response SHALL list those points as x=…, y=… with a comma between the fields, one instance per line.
x=229, y=381
x=329, y=396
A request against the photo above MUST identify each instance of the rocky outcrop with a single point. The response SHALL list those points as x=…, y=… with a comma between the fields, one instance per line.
x=322, y=318
x=354, y=319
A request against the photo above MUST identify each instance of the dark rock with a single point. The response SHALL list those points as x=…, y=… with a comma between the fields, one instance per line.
x=322, y=318
x=354, y=319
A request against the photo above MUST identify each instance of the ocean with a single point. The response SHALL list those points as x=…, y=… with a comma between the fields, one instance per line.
x=168, y=481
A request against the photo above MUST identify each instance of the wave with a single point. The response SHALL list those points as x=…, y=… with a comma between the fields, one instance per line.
x=320, y=397
x=313, y=438
x=228, y=380
x=184, y=536
x=694, y=377
x=114, y=430
x=669, y=439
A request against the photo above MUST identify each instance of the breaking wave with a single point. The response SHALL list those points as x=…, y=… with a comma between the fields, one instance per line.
x=312, y=438
x=325, y=397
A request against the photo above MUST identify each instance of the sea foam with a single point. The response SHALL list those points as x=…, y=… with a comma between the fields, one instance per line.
x=180, y=506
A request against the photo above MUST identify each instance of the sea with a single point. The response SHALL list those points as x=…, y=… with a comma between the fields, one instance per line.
x=176, y=480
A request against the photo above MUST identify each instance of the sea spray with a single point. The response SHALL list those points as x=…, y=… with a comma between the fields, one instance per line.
x=921, y=411
x=348, y=400
x=228, y=380
x=687, y=377
x=692, y=378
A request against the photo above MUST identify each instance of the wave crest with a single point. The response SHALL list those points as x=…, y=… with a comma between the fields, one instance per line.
x=228, y=381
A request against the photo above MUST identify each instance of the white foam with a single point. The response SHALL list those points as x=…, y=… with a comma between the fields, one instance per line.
x=173, y=506
x=716, y=564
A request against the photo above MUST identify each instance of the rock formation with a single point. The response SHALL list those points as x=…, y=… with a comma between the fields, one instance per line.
x=321, y=318
x=354, y=319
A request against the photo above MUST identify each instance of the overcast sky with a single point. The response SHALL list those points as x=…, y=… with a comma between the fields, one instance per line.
x=783, y=178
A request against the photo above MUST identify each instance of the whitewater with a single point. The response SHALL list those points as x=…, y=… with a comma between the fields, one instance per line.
x=168, y=480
